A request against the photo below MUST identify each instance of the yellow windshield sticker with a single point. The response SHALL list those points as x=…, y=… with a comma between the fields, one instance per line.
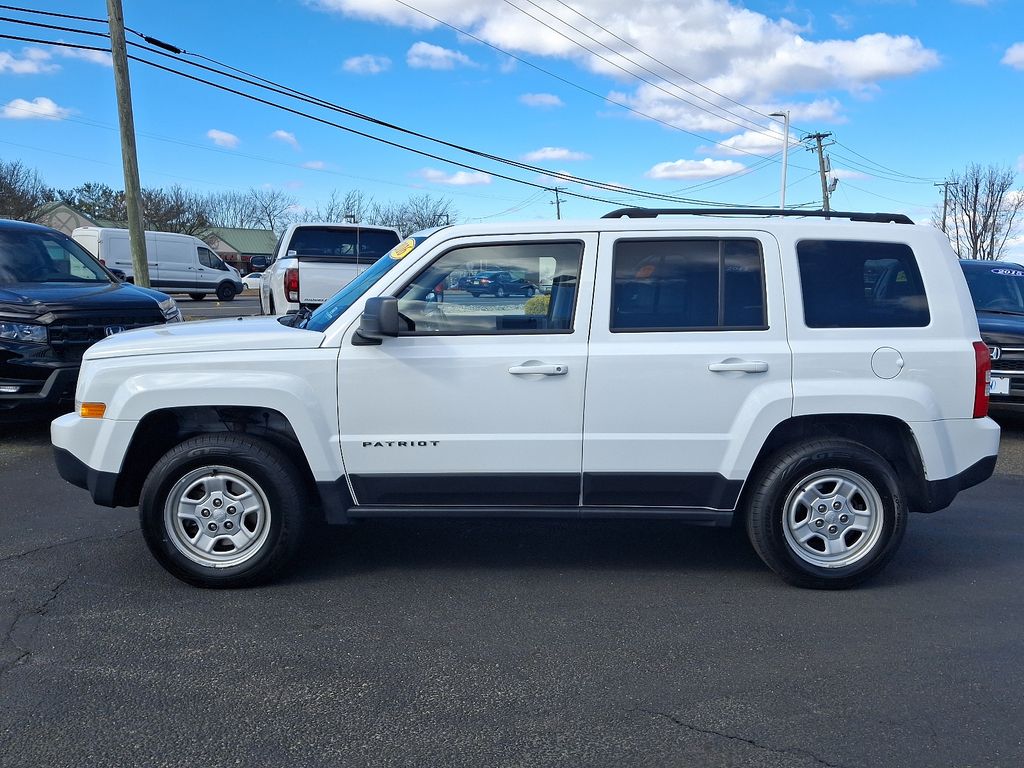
x=403, y=249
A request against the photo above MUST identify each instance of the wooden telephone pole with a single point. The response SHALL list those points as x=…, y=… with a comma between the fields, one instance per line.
x=819, y=137
x=129, y=158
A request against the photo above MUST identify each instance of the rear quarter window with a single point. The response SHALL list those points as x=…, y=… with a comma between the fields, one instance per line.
x=855, y=284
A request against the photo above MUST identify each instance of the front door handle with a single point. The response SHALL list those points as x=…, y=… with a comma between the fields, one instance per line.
x=743, y=366
x=544, y=369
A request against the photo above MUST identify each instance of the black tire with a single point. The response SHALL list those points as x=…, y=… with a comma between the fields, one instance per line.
x=197, y=296
x=474, y=295
x=499, y=292
x=529, y=293
x=871, y=500
x=277, y=490
x=226, y=291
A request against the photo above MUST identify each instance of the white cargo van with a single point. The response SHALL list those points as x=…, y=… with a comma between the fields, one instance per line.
x=177, y=263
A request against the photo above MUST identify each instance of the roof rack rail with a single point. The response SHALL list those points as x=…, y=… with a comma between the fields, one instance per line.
x=652, y=213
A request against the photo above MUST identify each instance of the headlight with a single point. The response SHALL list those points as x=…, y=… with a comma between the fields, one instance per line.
x=171, y=312
x=23, y=332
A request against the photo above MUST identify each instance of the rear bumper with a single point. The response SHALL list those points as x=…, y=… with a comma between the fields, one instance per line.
x=942, y=492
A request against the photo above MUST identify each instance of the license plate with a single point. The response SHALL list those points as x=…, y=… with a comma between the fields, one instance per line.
x=999, y=385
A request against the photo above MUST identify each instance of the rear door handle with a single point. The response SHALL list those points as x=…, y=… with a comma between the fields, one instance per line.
x=744, y=366
x=544, y=369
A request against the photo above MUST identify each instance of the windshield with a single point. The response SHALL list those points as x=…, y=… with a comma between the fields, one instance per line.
x=332, y=309
x=997, y=289
x=41, y=256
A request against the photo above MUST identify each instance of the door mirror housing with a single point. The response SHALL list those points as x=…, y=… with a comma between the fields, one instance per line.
x=259, y=263
x=379, y=320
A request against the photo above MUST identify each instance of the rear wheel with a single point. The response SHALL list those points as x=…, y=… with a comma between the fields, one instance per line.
x=197, y=296
x=499, y=292
x=827, y=514
x=226, y=291
x=224, y=510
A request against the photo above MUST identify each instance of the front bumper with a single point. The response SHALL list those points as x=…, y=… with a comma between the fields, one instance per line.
x=102, y=486
x=55, y=390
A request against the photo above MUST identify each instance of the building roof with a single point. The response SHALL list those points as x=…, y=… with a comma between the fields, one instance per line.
x=248, y=241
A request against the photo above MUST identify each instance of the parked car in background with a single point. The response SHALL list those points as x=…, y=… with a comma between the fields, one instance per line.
x=253, y=281
x=997, y=289
x=177, y=263
x=55, y=301
x=312, y=262
x=498, y=283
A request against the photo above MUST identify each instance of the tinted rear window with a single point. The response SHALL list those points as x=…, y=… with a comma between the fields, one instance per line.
x=852, y=284
x=362, y=246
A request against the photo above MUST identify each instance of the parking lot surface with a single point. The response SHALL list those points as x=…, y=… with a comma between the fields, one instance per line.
x=473, y=643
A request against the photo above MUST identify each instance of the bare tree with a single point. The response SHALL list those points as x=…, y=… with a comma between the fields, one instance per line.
x=175, y=210
x=417, y=212
x=230, y=209
x=22, y=192
x=354, y=206
x=983, y=212
x=272, y=208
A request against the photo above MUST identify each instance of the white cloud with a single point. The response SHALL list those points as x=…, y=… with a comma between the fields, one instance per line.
x=1014, y=56
x=40, y=108
x=367, y=64
x=222, y=138
x=95, y=57
x=845, y=173
x=843, y=22
x=314, y=165
x=426, y=56
x=554, y=153
x=767, y=142
x=694, y=169
x=541, y=100
x=748, y=56
x=33, y=61
x=286, y=137
x=457, y=179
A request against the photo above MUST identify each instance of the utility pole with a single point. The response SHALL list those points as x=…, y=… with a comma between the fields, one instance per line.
x=558, y=201
x=818, y=137
x=785, y=154
x=129, y=159
x=945, y=202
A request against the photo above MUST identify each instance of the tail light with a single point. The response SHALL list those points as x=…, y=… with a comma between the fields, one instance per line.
x=291, y=287
x=982, y=379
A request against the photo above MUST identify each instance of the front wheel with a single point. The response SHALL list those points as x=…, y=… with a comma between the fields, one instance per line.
x=223, y=510
x=528, y=293
x=226, y=291
x=197, y=296
x=827, y=514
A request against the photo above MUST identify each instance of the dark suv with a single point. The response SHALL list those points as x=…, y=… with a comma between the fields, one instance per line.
x=56, y=300
x=997, y=289
x=498, y=283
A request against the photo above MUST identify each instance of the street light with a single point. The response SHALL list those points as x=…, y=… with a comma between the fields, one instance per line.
x=785, y=153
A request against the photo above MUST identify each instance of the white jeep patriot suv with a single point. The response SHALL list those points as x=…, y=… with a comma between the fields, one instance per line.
x=814, y=379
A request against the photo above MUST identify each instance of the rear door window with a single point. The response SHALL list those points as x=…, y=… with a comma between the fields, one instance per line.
x=854, y=284
x=687, y=285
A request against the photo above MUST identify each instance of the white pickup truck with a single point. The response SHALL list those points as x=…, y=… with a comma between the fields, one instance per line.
x=312, y=262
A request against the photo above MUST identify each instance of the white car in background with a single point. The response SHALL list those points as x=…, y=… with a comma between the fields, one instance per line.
x=253, y=281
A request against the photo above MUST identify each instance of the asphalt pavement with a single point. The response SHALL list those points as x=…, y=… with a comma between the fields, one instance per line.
x=468, y=643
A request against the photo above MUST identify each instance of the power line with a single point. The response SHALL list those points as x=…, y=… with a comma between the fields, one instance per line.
x=662, y=63
x=745, y=125
x=319, y=102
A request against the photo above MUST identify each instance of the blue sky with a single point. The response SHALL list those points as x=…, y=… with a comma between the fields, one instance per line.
x=910, y=89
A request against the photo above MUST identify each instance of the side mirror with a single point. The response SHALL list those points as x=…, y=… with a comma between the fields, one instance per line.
x=259, y=263
x=379, y=320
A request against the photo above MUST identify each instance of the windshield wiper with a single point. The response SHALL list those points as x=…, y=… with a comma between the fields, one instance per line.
x=1002, y=311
